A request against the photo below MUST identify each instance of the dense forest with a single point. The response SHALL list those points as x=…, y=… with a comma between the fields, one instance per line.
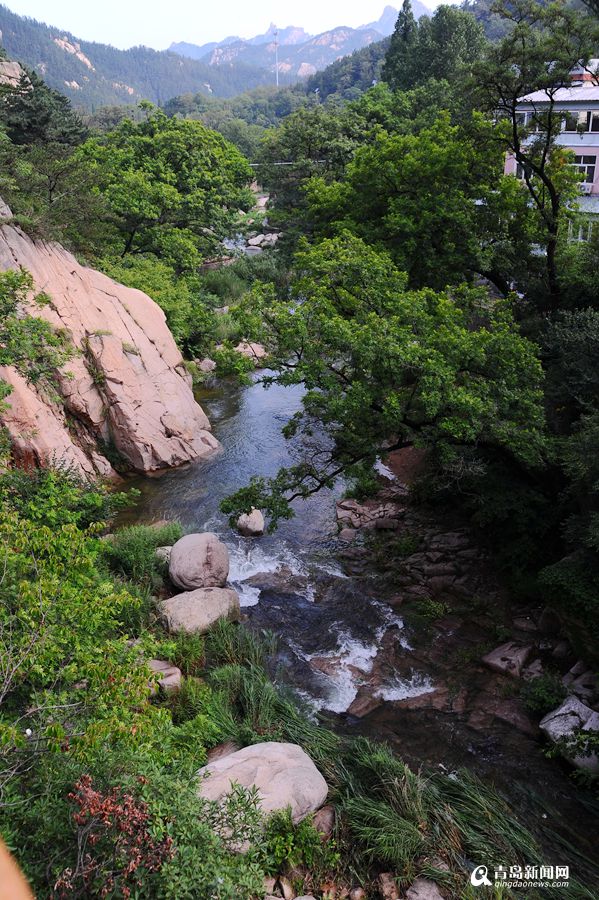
x=422, y=298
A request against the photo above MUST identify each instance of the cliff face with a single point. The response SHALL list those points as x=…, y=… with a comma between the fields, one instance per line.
x=126, y=387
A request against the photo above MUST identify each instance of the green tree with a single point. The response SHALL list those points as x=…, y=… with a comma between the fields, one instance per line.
x=434, y=200
x=385, y=367
x=173, y=187
x=33, y=113
x=542, y=46
x=401, y=48
x=442, y=47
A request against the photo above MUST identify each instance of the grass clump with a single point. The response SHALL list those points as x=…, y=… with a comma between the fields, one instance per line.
x=131, y=552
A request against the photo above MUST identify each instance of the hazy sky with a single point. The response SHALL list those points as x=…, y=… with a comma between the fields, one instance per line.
x=157, y=23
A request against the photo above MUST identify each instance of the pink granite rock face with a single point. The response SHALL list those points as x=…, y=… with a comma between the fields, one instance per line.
x=127, y=386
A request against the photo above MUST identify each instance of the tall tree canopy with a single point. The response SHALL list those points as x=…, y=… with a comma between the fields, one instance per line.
x=173, y=187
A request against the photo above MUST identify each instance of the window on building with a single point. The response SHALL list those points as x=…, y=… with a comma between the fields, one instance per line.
x=577, y=121
x=580, y=232
x=586, y=165
x=595, y=121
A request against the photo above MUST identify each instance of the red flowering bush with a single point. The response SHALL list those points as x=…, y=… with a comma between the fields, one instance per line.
x=115, y=849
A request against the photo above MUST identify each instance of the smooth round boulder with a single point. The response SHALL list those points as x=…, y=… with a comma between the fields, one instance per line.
x=197, y=611
x=283, y=774
x=199, y=561
x=251, y=524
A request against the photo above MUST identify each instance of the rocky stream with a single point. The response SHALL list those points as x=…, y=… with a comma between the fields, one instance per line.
x=387, y=619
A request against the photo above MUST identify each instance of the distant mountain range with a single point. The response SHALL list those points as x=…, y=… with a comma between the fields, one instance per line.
x=94, y=75
x=300, y=54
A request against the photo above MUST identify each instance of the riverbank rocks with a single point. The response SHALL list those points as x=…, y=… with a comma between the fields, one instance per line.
x=283, y=774
x=251, y=524
x=562, y=724
x=424, y=889
x=206, y=365
x=199, y=561
x=126, y=386
x=251, y=350
x=195, y=612
x=509, y=659
x=169, y=676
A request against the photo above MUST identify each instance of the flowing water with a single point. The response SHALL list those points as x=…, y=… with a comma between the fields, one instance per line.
x=331, y=622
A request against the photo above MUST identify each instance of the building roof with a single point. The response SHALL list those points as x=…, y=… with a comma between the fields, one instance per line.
x=584, y=92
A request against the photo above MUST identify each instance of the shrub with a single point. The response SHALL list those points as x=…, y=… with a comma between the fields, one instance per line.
x=542, y=694
x=289, y=846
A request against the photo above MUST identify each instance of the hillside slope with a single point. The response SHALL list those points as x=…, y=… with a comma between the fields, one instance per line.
x=93, y=75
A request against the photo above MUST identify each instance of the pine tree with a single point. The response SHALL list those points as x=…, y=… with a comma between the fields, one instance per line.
x=402, y=43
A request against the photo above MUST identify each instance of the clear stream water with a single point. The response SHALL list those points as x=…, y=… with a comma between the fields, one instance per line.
x=331, y=623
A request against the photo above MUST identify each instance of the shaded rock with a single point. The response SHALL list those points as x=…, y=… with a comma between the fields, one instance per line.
x=424, y=889
x=283, y=774
x=534, y=670
x=269, y=884
x=549, y=622
x=195, y=612
x=219, y=752
x=579, y=668
x=251, y=524
x=163, y=554
x=347, y=535
x=525, y=623
x=199, y=560
x=127, y=386
x=561, y=724
x=585, y=686
x=206, y=365
x=561, y=650
x=286, y=888
x=169, y=676
x=508, y=659
x=324, y=821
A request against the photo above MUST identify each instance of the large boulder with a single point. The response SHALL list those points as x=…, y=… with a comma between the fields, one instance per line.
x=251, y=524
x=283, y=774
x=199, y=561
x=126, y=385
x=561, y=725
x=509, y=659
x=197, y=611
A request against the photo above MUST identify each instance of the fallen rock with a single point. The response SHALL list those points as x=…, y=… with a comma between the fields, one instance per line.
x=533, y=670
x=163, y=554
x=561, y=724
x=206, y=365
x=508, y=659
x=324, y=821
x=195, y=612
x=283, y=774
x=525, y=623
x=199, y=561
x=387, y=886
x=169, y=680
x=424, y=889
x=251, y=524
x=127, y=385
